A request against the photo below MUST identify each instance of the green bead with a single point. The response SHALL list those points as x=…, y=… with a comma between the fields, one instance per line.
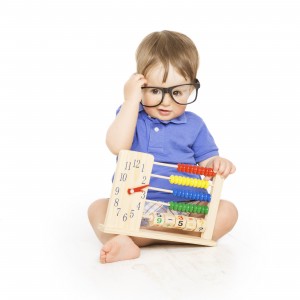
x=185, y=207
x=175, y=207
x=179, y=207
x=195, y=208
x=188, y=208
x=171, y=205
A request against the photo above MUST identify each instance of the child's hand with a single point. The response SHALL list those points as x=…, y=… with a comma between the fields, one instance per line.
x=220, y=165
x=132, y=88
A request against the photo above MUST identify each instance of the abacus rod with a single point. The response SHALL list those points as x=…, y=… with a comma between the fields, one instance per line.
x=165, y=165
x=160, y=176
x=193, y=171
x=169, y=178
x=160, y=190
x=159, y=202
x=165, y=191
x=176, y=208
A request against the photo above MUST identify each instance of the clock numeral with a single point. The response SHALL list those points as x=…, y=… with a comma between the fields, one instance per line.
x=123, y=176
x=136, y=163
x=125, y=217
x=139, y=206
x=117, y=190
x=127, y=165
x=143, y=195
x=132, y=213
x=144, y=179
x=118, y=211
x=116, y=203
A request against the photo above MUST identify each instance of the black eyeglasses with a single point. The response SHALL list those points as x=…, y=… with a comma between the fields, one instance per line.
x=182, y=94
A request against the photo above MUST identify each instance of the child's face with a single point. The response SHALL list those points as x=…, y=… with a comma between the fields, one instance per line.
x=168, y=109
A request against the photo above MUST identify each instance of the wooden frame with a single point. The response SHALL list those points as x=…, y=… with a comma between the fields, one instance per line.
x=125, y=209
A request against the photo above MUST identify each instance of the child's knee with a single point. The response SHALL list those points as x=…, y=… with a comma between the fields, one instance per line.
x=97, y=210
x=92, y=210
x=229, y=213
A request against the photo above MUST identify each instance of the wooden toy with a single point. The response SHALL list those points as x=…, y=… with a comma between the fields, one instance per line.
x=128, y=196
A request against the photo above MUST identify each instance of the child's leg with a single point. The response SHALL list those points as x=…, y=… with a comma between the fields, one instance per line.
x=120, y=247
x=226, y=219
x=115, y=247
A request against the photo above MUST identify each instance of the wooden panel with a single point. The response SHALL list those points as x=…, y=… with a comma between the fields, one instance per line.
x=125, y=210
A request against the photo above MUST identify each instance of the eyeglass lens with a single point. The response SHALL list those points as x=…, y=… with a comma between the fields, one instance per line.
x=184, y=94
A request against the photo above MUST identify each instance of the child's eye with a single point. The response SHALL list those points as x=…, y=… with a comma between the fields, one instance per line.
x=177, y=93
x=155, y=91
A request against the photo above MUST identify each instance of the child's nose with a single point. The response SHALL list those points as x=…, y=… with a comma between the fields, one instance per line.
x=167, y=99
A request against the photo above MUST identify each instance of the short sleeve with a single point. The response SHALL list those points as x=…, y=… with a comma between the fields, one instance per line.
x=204, y=146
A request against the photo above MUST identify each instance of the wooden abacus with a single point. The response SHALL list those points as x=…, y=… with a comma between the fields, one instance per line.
x=128, y=196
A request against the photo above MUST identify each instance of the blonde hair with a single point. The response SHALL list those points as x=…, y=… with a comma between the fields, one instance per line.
x=168, y=47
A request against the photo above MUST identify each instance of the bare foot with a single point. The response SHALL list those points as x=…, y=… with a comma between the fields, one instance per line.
x=120, y=247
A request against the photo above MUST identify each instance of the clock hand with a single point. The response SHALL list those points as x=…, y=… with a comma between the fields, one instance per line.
x=137, y=189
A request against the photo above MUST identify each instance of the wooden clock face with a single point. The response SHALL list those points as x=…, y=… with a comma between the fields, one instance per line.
x=129, y=190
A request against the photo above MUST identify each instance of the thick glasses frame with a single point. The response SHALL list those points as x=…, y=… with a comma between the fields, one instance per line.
x=169, y=90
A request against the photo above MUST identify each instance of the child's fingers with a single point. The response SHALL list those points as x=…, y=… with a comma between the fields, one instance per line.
x=223, y=167
x=216, y=165
x=138, y=77
x=226, y=169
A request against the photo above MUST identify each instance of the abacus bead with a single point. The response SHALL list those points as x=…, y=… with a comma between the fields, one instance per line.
x=185, y=208
x=175, y=206
x=201, y=171
x=206, y=210
x=172, y=179
x=195, y=208
x=179, y=207
x=172, y=205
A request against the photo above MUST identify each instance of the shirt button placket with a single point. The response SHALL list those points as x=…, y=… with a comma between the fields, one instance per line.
x=156, y=140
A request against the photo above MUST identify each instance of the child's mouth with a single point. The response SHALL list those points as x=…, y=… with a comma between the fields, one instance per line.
x=164, y=112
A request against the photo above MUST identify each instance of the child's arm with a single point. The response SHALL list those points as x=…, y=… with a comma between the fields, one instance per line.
x=220, y=165
x=121, y=132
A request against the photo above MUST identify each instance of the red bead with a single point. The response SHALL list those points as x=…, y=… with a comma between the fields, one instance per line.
x=195, y=170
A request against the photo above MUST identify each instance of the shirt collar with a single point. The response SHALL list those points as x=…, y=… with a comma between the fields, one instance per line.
x=179, y=120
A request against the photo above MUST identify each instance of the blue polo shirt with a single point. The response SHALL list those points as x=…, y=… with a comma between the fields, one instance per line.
x=184, y=139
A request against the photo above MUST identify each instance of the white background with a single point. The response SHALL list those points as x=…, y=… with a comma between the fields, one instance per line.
x=63, y=65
